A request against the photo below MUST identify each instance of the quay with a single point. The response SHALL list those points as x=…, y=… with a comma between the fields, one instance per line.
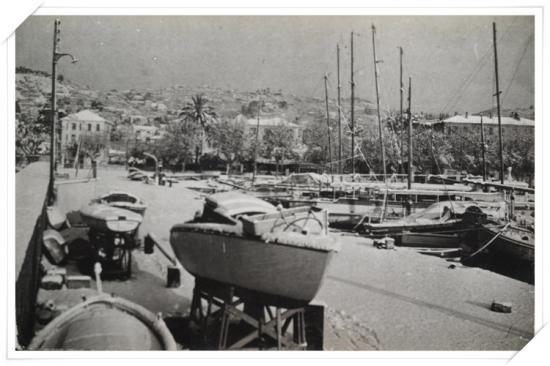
x=374, y=299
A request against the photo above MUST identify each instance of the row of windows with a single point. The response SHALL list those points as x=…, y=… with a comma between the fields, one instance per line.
x=489, y=130
x=97, y=127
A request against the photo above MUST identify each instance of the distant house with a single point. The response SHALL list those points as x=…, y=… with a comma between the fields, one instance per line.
x=160, y=107
x=138, y=120
x=267, y=123
x=83, y=123
x=512, y=128
x=79, y=125
x=146, y=133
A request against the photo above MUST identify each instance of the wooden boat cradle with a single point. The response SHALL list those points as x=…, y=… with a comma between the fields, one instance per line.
x=227, y=299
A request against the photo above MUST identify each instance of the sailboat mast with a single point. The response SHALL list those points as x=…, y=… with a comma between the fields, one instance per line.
x=378, y=103
x=401, y=108
x=339, y=111
x=352, y=112
x=410, y=162
x=328, y=125
x=497, y=94
x=483, y=149
x=254, y=172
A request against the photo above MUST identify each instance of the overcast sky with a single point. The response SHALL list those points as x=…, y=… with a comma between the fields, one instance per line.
x=441, y=54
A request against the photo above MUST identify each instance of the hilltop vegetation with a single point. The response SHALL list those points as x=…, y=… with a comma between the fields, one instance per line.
x=433, y=150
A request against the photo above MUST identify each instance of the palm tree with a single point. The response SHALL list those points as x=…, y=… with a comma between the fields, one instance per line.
x=199, y=112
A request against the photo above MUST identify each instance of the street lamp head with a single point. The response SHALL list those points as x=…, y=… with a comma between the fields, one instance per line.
x=58, y=56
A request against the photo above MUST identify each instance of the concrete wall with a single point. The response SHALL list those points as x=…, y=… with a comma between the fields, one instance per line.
x=30, y=210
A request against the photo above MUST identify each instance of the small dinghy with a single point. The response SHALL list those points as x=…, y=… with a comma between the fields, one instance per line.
x=105, y=323
x=123, y=200
x=113, y=233
x=102, y=217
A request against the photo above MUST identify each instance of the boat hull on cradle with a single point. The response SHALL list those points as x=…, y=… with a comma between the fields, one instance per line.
x=278, y=274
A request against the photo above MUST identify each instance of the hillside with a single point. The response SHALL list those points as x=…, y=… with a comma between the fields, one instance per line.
x=33, y=90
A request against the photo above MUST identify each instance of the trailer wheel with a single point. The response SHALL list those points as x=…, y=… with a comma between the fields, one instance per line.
x=125, y=262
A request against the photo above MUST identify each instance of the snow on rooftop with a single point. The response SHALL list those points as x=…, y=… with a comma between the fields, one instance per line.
x=86, y=116
x=266, y=122
x=487, y=120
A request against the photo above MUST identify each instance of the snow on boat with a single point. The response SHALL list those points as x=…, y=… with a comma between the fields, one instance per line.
x=279, y=255
x=113, y=234
x=102, y=217
x=440, y=217
x=123, y=200
x=105, y=323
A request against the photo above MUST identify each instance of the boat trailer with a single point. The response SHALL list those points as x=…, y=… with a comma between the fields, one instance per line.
x=219, y=308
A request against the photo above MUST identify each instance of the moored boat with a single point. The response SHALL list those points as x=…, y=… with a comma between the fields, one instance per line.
x=123, y=200
x=441, y=217
x=105, y=323
x=430, y=240
x=514, y=243
x=279, y=255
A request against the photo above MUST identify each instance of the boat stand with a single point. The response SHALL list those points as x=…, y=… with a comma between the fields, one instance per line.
x=220, y=305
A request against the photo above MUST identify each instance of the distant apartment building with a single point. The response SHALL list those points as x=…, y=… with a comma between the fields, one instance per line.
x=512, y=128
x=83, y=123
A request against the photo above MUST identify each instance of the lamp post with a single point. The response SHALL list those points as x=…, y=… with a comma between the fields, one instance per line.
x=53, y=109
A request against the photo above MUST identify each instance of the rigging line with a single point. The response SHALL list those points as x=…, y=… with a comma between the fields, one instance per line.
x=482, y=60
x=316, y=87
x=359, y=144
x=439, y=170
x=487, y=51
x=528, y=42
x=466, y=84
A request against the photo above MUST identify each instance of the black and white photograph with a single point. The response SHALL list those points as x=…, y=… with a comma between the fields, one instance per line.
x=275, y=182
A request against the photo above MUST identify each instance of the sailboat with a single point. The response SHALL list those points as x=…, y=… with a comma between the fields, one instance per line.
x=505, y=239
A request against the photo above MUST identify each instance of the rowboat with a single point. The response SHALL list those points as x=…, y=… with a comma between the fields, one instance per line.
x=123, y=200
x=280, y=256
x=105, y=323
